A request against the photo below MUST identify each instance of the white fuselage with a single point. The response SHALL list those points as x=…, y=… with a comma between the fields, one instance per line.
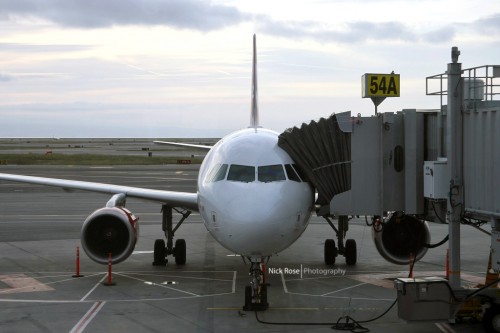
x=250, y=195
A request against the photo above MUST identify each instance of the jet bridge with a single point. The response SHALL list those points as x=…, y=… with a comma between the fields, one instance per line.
x=323, y=151
x=463, y=171
x=441, y=164
x=367, y=166
x=398, y=161
x=362, y=165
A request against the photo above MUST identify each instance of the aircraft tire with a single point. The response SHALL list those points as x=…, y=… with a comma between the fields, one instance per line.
x=491, y=319
x=351, y=252
x=180, y=252
x=159, y=253
x=330, y=252
x=248, y=298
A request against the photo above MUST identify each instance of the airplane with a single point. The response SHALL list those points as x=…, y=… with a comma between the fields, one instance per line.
x=253, y=199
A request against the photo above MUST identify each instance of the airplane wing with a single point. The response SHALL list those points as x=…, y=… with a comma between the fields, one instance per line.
x=175, y=199
x=182, y=144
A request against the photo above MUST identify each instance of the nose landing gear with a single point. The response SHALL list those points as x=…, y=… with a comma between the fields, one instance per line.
x=256, y=292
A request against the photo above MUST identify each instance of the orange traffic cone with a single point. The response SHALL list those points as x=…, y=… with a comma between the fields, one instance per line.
x=491, y=276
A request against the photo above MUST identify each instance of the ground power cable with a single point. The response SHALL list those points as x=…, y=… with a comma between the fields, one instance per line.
x=432, y=246
x=350, y=323
x=347, y=323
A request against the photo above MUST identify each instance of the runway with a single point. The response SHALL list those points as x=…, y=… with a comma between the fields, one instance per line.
x=39, y=234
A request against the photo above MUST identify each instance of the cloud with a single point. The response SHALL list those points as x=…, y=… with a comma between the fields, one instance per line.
x=187, y=14
x=5, y=77
x=191, y=14
x=488, y=25
x=204, y=16
x=350, y=32
x=440, y=35
x=18, y=47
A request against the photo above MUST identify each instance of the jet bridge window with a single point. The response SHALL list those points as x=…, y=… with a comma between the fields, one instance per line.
x=271, y=173
x=241, y=173
x=217, y=173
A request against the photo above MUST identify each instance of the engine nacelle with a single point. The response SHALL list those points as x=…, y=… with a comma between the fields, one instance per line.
x=400, y=237
x=112, y=230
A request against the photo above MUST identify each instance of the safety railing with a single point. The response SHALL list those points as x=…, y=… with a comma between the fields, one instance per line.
x=480, y=84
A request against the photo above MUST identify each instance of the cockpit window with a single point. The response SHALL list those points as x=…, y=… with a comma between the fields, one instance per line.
x=271, y=173
x=246, y=174
x=301, y=172
x=291, y=174
x=241, y=173
x=217, y=173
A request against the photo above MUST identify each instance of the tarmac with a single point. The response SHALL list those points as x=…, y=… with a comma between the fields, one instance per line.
x=39, y=235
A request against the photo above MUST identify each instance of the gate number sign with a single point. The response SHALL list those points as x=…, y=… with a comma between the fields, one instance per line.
x=380, y=85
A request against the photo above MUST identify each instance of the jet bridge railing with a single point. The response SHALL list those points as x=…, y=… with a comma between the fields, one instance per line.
x=481, y=84
x=480, y=146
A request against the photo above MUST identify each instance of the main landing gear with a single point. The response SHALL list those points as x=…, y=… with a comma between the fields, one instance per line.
x=160, y=250
x=348, y=250
x=256, y=292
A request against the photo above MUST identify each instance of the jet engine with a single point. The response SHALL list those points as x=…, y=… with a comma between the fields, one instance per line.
x=110, y=230
x=400, y=237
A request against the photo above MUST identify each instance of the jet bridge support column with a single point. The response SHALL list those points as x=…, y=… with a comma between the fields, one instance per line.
x=454, y=152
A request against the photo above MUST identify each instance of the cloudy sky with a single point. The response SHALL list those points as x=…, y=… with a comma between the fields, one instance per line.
x=182, y=68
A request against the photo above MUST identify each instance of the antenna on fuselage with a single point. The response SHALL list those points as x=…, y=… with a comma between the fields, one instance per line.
x=254, y=115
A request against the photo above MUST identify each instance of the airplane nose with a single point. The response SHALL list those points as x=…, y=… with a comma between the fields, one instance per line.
x=258, y=218
x=253, y=209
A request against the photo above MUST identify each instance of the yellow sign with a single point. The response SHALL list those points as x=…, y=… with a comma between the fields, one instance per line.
x=380, y=85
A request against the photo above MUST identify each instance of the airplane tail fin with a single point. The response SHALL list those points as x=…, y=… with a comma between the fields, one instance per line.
x=254, y=116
